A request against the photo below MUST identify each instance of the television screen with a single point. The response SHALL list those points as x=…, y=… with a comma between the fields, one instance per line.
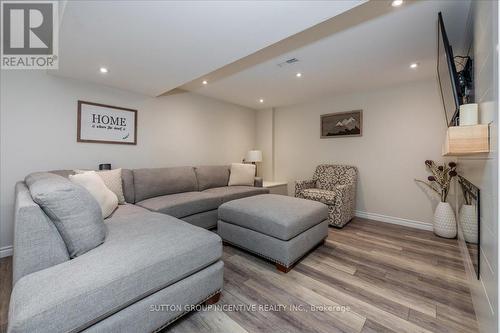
x=447, y=75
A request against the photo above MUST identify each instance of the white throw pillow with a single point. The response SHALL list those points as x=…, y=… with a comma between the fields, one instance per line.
x=113, y=180
x=91, y=181
x=242, y=174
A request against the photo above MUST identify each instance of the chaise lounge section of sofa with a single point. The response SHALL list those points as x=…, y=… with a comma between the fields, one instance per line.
x=147, y=259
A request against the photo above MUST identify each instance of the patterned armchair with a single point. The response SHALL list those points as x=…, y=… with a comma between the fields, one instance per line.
x=335, y=186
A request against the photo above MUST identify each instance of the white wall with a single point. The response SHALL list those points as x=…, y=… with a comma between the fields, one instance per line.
x=38, y=131
x=264, y=142
x=402, y=127
x=483, y=170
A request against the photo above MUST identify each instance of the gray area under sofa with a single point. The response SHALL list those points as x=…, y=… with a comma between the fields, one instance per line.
x=149, y=256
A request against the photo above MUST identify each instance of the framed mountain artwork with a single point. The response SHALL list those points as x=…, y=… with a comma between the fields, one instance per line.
x=342, y=124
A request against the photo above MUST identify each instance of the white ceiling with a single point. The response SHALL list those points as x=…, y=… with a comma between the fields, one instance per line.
x=154, y=46
x=372, y=54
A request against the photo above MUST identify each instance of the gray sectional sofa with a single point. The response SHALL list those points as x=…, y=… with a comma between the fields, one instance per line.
x=190, y=194
x=150, y=269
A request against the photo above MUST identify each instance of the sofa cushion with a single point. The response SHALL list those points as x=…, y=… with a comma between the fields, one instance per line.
x=210, y=176
x=278, y=216
x=74, y=211
x=242, y=174
x=143, y=253
x=128, y=185
x=93, y=183
x=37, y=242
x=228, y=193
x=149, y=183
x=182, y=204
x=112, y=179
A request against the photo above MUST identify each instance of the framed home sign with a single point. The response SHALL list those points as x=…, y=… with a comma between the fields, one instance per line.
x=102, y=123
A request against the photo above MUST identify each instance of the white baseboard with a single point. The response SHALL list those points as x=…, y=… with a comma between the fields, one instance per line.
x=394, y=220
x=5, y=251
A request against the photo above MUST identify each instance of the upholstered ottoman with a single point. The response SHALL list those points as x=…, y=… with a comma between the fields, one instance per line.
x=279, y=228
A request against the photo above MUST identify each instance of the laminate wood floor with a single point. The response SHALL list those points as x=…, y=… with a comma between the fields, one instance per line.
x=368, y=277
x=389, y=279
x=5, y=289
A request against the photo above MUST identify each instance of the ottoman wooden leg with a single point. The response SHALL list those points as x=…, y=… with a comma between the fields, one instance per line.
x=212, y=300
x=282, y=268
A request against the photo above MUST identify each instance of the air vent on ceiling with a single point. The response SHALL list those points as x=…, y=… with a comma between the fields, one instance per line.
x=288, y=62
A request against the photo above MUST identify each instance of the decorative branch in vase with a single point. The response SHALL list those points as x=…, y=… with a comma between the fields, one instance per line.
x=444, y=223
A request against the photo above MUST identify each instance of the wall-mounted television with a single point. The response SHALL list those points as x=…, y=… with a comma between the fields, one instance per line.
x=447, y=76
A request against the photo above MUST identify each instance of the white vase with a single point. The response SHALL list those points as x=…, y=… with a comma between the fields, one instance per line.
x=468, y=222
x=445, y=224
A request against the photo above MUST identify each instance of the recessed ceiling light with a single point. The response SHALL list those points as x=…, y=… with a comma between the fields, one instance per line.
x=261, y=100
x=103, y=70
x=298, y=74
x=397, y=3
x=205, y=82
x=414, y=65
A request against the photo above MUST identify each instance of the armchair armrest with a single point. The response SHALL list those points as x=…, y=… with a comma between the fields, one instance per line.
x=345, y=195
x=302, y=185
x=345, y=189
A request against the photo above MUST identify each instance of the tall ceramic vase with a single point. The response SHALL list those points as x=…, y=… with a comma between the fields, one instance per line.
x=468, y=222
x=445, y=224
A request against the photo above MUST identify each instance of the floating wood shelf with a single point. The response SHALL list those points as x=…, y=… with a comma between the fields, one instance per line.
x=465, y=140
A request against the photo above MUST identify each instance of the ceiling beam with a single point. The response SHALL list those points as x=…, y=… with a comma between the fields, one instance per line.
x=357, y=15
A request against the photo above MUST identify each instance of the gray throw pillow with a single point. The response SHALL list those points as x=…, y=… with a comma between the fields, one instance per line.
x=74, y=211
